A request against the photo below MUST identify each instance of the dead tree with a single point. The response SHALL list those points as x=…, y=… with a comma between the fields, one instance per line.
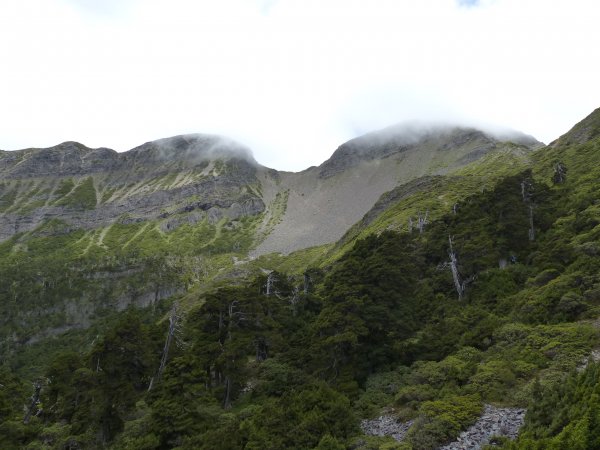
x=527, y=194
x=525, y=188
x=295, y=299
x=410, y=224
x=531, y=228
x=422, y=221
x=227, y=398
x=270, y=280
x=174, y=320
x=271, y=286
x=307, y=282
x=454, y=208
x=235, y=317
x=458, y=284
x=35, y=401
x=560, y=173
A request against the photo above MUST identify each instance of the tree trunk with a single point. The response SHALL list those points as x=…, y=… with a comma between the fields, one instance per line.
x=227, y=399
x=270, y=280
x=173, y=319
x=306, y=283
x=531, y=229
x=454, y=268
x=35, y=398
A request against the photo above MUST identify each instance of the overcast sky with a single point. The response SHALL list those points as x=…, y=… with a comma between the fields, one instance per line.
x=292, y=79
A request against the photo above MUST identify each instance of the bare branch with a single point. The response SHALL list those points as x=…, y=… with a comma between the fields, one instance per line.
x=174, y=319
x=35, y=401
x=458, y=283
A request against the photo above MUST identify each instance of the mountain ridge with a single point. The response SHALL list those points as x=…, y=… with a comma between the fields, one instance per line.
x=224, y=180
x=403, y=136
x=405, y=133
x=325, y=201
x=192, y=148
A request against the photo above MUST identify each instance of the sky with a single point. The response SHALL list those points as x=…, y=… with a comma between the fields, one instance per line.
x=291, y=79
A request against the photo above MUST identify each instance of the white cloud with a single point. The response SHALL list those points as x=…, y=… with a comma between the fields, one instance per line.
x=292, y=79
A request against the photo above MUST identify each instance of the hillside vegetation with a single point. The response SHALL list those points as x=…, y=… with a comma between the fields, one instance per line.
x=494, y=299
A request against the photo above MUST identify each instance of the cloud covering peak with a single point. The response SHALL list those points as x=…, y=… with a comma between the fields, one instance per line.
x=290, y=79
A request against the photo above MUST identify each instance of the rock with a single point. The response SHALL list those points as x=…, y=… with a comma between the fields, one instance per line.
x=386, y=426
x=178, y=175
x=594, y=356
x=494, y=422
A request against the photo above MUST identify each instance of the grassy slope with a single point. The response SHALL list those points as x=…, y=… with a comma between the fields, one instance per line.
x=56, y=277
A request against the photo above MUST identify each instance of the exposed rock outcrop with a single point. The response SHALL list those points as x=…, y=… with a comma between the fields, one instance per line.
x=91, y=188
x=186, y=179
x=386, y=426
x=494, y=422
x=324, y=202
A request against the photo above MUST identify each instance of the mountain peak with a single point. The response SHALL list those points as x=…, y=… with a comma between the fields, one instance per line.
x=414, y=136
x=193, y=147
x=73, y=158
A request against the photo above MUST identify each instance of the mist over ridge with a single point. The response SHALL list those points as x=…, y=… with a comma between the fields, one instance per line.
x=196, y=146
x=199, y=147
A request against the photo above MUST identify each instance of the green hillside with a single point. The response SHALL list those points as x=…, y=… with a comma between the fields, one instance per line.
x=494, y=301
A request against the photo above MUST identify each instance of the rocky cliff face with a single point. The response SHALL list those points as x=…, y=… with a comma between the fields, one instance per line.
x=90, y=188
x=188, y=179
x=85, y=231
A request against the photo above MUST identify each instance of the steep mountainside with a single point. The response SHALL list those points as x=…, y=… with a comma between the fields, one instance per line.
x=206, y=176
x=462, y=309
x=323, y=202
x=187, y=179
x=83, y=230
